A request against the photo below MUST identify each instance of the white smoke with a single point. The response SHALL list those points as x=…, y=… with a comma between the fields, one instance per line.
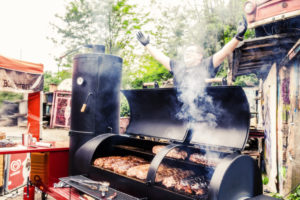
x=197, y=105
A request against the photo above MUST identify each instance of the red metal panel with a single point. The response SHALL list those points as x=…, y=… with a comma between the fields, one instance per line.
x=276, y=7
x=64, y=193
x=269, y=10
x=34, y=115
x=58, y=166
x=13, y=150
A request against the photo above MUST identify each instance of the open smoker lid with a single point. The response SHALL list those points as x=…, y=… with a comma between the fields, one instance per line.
x=154, y=113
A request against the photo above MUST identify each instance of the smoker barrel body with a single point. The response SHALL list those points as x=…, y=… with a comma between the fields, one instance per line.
x=154, y=122
x=95, y=98
x=235, y=177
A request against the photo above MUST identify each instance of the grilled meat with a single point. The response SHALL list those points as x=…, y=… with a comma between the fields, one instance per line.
x=115, y=162
x=122, y=169
x=174, y=153
x=203, y=160
x=184, y=185
x=170, y=181
x=157, y=148
x=139, y=171
x=199, y=185
x=171, y=177
x=192, y=185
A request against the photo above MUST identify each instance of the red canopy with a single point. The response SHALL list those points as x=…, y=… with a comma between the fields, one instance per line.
x=22, y=66
x=22, y=76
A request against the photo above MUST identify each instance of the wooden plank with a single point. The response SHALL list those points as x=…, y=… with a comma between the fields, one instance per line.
x=269, y=113
x=236, y=61
x=268, y=60
x=245, y=72
x=294, y=125
x=254, y=64
x=262, y=45
x=272, y=37
x=263, y=56
x=255, y=67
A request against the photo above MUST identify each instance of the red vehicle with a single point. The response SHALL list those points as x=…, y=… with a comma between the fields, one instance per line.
x=270, y=17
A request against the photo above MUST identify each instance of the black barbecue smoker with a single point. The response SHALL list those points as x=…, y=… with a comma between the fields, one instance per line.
x=153, y=122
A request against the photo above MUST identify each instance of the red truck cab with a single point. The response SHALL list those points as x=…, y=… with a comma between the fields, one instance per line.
x=270, y=17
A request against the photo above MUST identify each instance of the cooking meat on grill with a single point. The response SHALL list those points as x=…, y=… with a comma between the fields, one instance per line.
x=171, y=177
x=157, y=148
x=203, y=160
x=195, y=185
x=122, y=168
x=136, y=159
x=184, y=186
x=110, y=162
x=119, y=164
x=99, y=162
x=170, y=181
x=116, y=165
x=139, y=171
x=174, y=153
x=199, y=185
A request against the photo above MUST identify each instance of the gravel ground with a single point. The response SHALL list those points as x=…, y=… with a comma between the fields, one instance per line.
x=59, y=135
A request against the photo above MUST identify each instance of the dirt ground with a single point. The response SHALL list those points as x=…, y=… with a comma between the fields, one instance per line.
x=58, y=135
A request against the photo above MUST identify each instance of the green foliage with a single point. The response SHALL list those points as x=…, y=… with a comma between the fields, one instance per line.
x=55, y=78
x=124, y=108
x=265, y=180
x=74, y=29
x=149, y=71
x=276, y=195
x=295, y=195
x=171, y=27
x=246, y=80
x=10, y=96
x=111, y=22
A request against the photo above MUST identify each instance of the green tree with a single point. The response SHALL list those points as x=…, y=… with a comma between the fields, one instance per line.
x=75, y=29
x=210, y=24
x=110, y=22
x=9, y=96
x=55, y=78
